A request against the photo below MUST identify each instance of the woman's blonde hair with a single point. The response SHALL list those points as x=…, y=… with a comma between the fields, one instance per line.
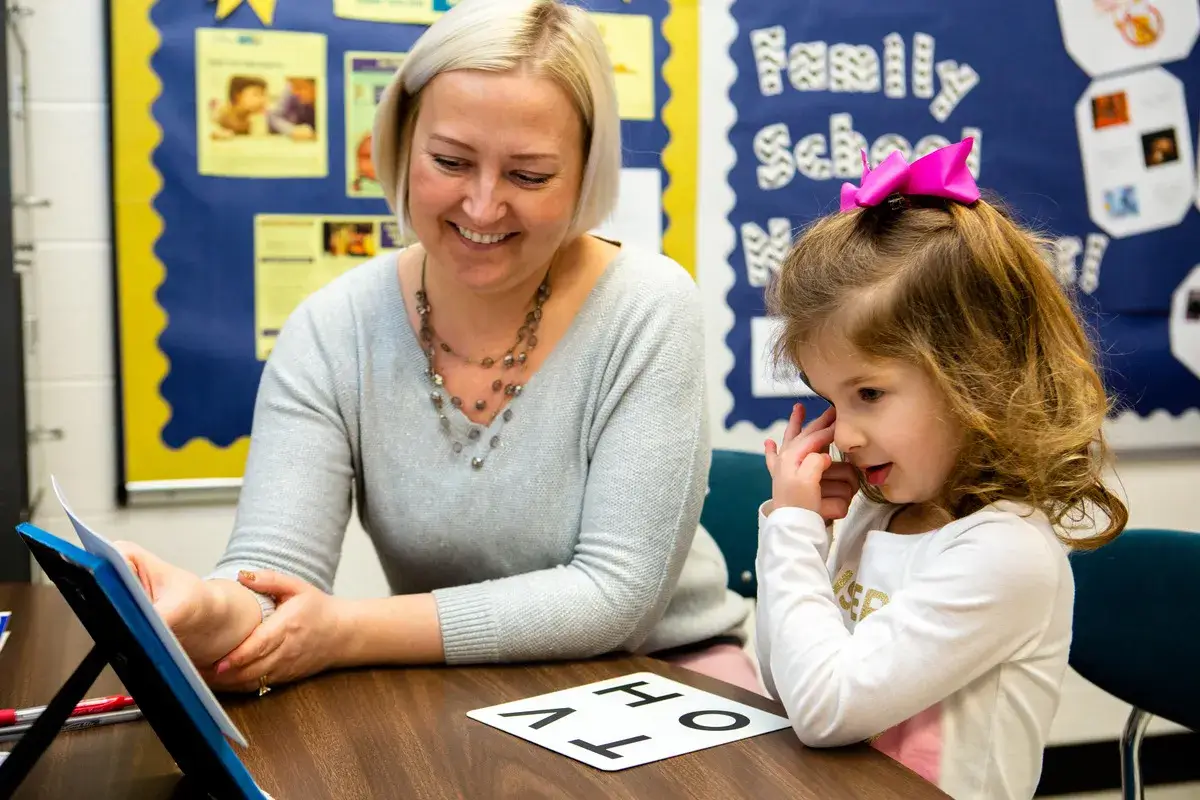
x=547, y=37
x=967, y=295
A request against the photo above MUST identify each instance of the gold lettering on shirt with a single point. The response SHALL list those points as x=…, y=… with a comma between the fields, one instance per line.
x=842, y=580
x=873, y=601
x=850, y=601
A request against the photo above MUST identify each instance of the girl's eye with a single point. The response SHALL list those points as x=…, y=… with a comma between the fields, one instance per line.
x=531, y=179
x=448, y=163
x=869, y=395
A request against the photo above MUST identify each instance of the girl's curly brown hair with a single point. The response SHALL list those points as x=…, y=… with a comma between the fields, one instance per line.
x=967, y=295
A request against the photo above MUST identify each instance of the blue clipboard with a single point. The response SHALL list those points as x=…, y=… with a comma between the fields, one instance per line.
x=127, y=632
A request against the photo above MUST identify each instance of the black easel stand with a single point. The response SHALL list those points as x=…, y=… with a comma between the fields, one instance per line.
x=125, y=639
x=29, y=748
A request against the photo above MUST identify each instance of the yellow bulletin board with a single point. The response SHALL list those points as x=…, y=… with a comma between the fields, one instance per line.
x=239, y=185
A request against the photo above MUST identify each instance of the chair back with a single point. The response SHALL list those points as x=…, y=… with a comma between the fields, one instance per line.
x=1137, y=621
x=738, y=483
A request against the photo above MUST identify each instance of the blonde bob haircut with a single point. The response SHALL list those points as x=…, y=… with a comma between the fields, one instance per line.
x=545, y=37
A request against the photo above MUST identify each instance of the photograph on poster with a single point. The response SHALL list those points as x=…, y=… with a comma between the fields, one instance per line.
x=1121, y=201
x=1109, y=110
x=367, y=74
x=1184, y=325
x=294, y=255
x=260, y=99
x=1160, y=147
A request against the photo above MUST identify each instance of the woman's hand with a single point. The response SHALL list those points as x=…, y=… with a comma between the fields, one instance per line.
x=207, y=617
x=300, y=639
x=802, y=473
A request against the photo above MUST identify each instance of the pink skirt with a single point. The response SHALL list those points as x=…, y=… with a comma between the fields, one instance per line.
x=725, y=662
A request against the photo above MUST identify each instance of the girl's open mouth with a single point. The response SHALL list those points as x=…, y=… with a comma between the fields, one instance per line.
x=877, y=475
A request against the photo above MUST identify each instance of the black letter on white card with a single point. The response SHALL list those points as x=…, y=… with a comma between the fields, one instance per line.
x=555, y=715
x=737, y=721
x=606, y=749
x=647, y=699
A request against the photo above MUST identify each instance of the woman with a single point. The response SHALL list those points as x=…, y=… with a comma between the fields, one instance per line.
x=516, y=406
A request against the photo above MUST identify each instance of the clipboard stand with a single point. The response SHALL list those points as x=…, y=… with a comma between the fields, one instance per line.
x=125, y=640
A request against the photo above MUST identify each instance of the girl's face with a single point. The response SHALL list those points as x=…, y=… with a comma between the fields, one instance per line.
x=892, y=421
x=495, y=171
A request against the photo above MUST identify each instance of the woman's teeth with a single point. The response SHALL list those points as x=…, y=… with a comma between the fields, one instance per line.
x=481, y=238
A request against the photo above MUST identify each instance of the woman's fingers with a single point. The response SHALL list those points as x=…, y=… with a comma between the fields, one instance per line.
x=265, y=640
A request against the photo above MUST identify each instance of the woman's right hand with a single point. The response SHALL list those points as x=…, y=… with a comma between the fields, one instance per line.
x=201, y=613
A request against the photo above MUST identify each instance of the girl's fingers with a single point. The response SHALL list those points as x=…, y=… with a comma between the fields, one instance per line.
x=795, y=423
x=826, y=419
x=772, y=455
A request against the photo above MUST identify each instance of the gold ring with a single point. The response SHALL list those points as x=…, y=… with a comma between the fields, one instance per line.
x=262, y=686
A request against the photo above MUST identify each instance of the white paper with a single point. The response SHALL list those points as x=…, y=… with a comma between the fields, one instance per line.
x=1136, y=142
x=1184, y=327
x=637, y=219
x=97, y=545
x=769, y=379
x=676, y=719
x=1110, y=36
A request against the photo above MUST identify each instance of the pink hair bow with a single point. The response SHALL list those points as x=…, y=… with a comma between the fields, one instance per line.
x=942, y=173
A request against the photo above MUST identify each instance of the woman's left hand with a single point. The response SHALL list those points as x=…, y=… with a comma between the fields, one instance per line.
x=298, y=640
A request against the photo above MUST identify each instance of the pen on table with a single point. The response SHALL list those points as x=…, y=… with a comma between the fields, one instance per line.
x=96, y=705
x=11, y=732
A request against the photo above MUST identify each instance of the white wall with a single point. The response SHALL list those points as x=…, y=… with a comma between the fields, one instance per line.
x=71, y=384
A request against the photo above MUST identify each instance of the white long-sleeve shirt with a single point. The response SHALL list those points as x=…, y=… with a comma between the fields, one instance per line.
x=946, y=649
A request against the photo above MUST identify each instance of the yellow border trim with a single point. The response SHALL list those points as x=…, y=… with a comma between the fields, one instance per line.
x=681, y=117
x=138, y=270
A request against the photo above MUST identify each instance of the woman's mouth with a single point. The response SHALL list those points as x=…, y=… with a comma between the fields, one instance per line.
x=477, y=240
x=878, y=474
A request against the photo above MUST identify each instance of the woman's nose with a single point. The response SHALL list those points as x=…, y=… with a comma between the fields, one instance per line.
x=483, y=203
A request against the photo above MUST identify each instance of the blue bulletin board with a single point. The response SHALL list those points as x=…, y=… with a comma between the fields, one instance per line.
x=239, y=186
x=1084, y=114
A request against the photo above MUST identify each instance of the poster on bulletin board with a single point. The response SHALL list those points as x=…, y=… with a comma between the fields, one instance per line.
x=1084, y=117
x=242, y=182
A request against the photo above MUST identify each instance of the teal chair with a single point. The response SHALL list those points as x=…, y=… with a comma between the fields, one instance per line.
x=1136, y=632
x=738, y=483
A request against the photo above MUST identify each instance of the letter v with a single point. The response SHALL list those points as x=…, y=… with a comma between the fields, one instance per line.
x=555, y=715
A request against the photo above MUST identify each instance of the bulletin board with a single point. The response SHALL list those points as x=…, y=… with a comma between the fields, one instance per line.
x=1084, y=115
x=241, y=182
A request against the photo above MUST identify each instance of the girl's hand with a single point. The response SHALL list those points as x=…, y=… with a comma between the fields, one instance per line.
x=802, y=473
x=298, y=640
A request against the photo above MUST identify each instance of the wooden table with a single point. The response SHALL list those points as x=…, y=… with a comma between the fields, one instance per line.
x=404, y=733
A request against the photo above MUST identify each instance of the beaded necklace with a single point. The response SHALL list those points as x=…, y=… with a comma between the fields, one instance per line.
x=512, y=359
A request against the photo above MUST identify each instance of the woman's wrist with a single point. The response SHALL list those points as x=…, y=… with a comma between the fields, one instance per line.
x=231, y=613
x=402, y=629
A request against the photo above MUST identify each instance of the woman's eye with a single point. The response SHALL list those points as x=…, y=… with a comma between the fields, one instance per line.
x=448, y=163
x=869, y=395
x=530, y=178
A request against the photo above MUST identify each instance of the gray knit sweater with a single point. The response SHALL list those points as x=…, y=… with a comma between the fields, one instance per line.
x=579, y=536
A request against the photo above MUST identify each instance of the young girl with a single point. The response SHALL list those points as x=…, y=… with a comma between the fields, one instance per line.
x=967, y=414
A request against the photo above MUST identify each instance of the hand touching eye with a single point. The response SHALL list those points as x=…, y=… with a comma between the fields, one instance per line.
x=802, y=473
